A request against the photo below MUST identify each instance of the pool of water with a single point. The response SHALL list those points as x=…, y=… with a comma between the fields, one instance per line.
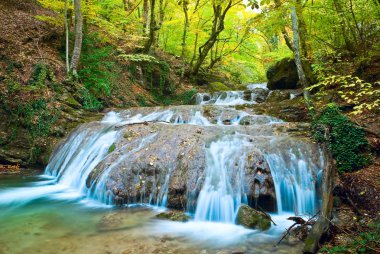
x=53, y=223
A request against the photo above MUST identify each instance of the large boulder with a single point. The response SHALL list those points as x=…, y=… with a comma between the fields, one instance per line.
x=165, y=164
x=284, y=75
x=251, y=218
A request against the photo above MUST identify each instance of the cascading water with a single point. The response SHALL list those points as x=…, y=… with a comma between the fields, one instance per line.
x=118, y=159
x=220, y=198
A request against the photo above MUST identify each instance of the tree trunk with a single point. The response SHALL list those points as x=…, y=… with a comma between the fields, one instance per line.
x=146, y=17
x=152, y=28
x=288, y=40
x=161, y=16
x=217, y=28
x=67, y=39
x=297, y=59
x=184, y=35
x=303, y=34
x=78, y=37
x=343, y=26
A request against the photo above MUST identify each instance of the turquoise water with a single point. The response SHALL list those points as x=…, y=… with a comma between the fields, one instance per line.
x=54, y=223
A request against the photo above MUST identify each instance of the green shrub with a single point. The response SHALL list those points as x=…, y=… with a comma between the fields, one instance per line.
x=346, y=140
x=141, y=100
x=33, y=106
x=184, y=98
x=366, y=241
x=98, y=71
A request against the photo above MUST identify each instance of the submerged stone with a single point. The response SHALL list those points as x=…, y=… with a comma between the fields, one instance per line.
x=173, y=216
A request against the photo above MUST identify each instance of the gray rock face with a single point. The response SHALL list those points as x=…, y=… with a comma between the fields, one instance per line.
x=161, y=156
x=173, y=160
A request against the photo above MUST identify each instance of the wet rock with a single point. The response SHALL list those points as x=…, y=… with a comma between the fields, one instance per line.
x=247, y=95
x=259, y=94
x=173, y=216
x=227, y=122
x=284, y=75
x=278, y=95
x=165, y=164
x=252, y=218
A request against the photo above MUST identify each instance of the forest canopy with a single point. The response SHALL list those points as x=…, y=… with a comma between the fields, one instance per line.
x=241, y=38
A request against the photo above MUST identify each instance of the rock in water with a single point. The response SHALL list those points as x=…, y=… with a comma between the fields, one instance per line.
x=173, y=216
x=251, y=218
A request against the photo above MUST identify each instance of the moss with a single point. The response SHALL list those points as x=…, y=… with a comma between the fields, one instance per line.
x=128, y=134
x=346, y=140
x=112, y=148
x=173, y=216
x=218, y=87
x=251, y=218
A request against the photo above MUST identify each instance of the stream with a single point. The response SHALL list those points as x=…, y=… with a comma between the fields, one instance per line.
x=106, y=182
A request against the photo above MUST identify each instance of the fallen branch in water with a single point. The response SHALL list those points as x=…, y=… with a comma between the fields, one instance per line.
x=298, y=221
x=266, y=215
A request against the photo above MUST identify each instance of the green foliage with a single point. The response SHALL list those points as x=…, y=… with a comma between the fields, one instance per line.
x=111, y=148
x=141, y=100
x=90, y=102
x=33, y=107
x=365, y=242
x=334, y=250
x=346, y=140
x=139, y=58
x=155, y=72
x=352, y=90
x=98, y=73
x=41, y=74
x=184, y=98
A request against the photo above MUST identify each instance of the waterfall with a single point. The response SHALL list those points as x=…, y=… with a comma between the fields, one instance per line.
x=224, y=189
x=220, y=198
x=98, y=160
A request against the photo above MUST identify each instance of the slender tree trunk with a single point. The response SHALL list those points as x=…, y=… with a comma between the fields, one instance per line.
x=184, y=35
x=297, y=58
x=161, y=17
x=78, y=37
x=343, y=26
x=195, y=50
x=303, y=34
x=288, y=40
x=152, y=28
x=146, y=22
x=67, y=39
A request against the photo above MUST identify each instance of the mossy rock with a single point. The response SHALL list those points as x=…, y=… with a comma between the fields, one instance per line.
x=173, y=216
x=218, y=87
x=283, y=74
x=251, y=218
